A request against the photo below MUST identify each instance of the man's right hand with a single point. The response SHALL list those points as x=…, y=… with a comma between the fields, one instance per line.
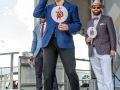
x=89, y=39
x=31, y=58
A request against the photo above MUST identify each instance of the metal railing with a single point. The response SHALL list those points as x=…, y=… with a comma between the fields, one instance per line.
x=11, y=66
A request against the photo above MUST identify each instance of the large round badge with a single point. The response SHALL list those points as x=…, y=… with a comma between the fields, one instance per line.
x=92, y=32
x=59, y=14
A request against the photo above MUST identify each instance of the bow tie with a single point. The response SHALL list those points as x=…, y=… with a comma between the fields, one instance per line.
x=96, y=18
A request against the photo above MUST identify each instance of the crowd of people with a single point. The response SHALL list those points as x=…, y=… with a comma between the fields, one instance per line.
x=51, y=38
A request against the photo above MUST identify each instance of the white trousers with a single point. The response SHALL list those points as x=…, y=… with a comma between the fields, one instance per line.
x=101, y=65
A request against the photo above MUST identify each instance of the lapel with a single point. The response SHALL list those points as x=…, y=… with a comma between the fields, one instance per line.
x=66, y=5
x=38, y=30
x=92, y=23
x=54, y=5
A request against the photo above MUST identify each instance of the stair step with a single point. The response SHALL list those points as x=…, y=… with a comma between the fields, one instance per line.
x=117, y=88
x=87, y=88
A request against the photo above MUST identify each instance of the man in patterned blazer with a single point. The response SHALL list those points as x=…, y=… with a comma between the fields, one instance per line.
x=103, y=46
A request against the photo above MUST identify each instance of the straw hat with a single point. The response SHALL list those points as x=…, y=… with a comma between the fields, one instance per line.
x=97, y=2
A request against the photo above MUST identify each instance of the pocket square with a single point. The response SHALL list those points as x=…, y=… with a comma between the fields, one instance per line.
x=102, y=23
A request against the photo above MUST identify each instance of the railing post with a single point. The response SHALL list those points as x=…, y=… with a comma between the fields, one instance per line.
x=11, y=72
x=0, y=77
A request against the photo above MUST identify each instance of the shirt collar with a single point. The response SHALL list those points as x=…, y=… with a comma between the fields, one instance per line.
x=43, y=23
x=62, y=5
x=98, y=16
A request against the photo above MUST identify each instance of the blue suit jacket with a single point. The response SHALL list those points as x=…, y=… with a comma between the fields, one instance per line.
x=64, y=38
x=37, y=41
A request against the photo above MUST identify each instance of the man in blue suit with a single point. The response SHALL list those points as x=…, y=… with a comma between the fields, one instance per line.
x=58, y=39
x=37, y=53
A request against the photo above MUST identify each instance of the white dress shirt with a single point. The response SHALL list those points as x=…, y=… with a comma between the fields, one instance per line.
x=97, y=20
x=44, y=27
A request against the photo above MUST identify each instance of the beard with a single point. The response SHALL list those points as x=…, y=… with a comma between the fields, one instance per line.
x=96, y=12
x=57, y=0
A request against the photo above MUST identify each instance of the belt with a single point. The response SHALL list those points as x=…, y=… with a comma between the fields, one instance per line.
x=41, y=49
x=54, y=35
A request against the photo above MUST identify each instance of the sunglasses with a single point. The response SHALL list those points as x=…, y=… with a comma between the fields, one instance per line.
x=96, y=7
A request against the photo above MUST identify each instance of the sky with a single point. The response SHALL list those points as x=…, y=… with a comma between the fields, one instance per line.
x=16, y=26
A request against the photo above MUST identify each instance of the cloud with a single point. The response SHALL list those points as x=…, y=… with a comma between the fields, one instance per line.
x=24, y=12
x=6, y=43
x=20, y=25
x=7, y=11
x=4, y=14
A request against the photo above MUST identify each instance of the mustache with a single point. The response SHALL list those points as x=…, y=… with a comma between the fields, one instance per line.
x=96, y=10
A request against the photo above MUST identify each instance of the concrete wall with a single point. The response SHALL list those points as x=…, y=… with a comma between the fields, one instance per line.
x=112, y=8
x=84, y=11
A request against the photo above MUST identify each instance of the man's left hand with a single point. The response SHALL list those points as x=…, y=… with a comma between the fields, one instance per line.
x=63, y=27
x=112, y=53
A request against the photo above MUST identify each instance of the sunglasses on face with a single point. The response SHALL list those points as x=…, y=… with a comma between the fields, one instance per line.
x=96, y=7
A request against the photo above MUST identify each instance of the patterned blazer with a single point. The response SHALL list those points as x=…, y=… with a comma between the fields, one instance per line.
x=106, y=36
